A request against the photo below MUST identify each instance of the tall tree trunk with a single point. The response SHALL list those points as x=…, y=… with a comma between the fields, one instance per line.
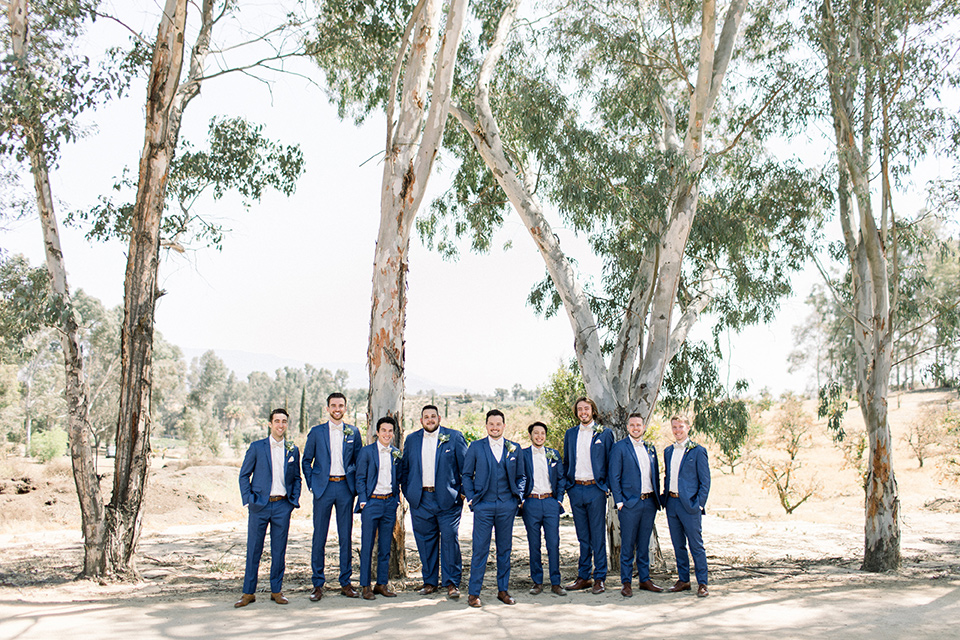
x=75, y=391
x=412, y=143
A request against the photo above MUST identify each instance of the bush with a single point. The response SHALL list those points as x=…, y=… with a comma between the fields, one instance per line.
x=47, y=445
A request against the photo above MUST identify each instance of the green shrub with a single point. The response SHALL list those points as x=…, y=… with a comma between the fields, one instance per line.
x=47, y=445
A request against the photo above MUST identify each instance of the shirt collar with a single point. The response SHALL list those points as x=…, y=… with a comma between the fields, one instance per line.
x=636, y=443
x=334, y=425
x=681, y=445
x=496, y=442
x=382, y=448
x=588, y=427
x=538, y=450
x=431, y=434
x=274, y=443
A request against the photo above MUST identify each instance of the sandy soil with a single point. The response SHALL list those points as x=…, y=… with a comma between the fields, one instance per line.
x=770, y=573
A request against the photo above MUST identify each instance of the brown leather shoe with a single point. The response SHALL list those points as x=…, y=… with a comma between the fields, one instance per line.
x=278, y=598
x=383, y=590
x=505, y=598
x=702, y=591
x=244, y=600
x=647, y=585
x=679, y=586
x=349, y=591
x=626, y=591
x=368, y=593
x=427, y=589
x=536, y=590
x=452, y=592
x=598, y=587
x=558, y=590
x=316, y=594
x=474, y=601
x=579, y=584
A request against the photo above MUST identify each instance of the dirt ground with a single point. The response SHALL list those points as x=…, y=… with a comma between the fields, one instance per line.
x=794, y=575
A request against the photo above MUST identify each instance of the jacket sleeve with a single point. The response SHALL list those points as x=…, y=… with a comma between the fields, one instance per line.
x=297, y=480
x=615, y=474
x=469, y=472
x=561, y=489
x=309, y=453
x=362, y=464
x=246, y=470
x=460, y=453
x=521, y=472
x=703, y=475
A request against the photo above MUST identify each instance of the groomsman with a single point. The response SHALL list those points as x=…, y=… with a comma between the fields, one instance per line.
x=430, y=478
x=686, y=487
x=542, y=506
x=378, y=494
x=635, y=483
x=493, y=482
x=586, y=452
x=270, y=489
x=329, y=466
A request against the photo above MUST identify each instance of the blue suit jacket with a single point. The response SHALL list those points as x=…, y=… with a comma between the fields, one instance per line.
x=368, y=471
x=600, y=446
x=693, y=481
x=558, y=482
x=316, y=458
x=256, y=475
x=448, y=468
x=625, y=477
x=479, y=482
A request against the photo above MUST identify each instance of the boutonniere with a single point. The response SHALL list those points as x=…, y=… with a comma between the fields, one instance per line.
x=551, y=454
x=397, y=454
x=347, y=431
x=690, y=445
x=289, y=446
x=443, y=437
x=598, y=429
x=510, y=446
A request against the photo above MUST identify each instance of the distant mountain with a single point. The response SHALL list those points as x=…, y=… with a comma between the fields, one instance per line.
x=243, y=363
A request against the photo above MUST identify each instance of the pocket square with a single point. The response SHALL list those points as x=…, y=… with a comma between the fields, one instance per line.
x=597, y=442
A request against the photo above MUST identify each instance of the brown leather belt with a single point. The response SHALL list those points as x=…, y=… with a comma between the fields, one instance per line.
x=337, y=478
x=644, y=496
x=541, y=496
x=585, y=483
x=429, y=489
x=277, y=498
x=674, y=494
x=383, y=497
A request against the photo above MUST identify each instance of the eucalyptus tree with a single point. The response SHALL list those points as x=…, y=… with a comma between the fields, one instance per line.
x=885, y=65
x=624, y=119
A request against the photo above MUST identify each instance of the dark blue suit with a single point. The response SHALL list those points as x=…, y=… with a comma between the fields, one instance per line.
x=378, y=516
x=256, y=480
x=327, y=493
x=639, y=511
x=589, y=502
x=684, y=513
x=494, y=490
x=435, y=515
x=544, y=514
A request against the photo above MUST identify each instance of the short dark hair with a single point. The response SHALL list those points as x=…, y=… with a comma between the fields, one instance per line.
x=387, y=420
x=276, y=411
x=428, y=406
x=336, y=394
x=593, y=405
x=495, y=412
x=636, y=414
x=536, y=424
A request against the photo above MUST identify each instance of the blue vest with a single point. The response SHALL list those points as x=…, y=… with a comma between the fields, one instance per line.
x=501, y=479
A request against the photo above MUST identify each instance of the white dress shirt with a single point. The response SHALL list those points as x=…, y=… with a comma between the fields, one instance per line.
x=384, y=475
x=541, y=476
x=584, y=468
x=678, y=450
x=496, y=447
x=646, y=476
x=336, y=450
x=277, y=452
x=428, y=457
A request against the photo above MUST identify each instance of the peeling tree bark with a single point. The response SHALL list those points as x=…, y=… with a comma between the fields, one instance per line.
x=75, y=389
x=412, y=144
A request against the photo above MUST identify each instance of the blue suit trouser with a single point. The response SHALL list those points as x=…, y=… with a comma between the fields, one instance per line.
x=437, y=532
x=277, y=515
x=589, y=506
x=492, y=517
x=685, y=528
x=335, y=495
x=376, y=520
x=543, y=514
x=636, y=526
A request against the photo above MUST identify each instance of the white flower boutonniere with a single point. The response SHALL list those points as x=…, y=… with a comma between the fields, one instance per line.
x=551, y=454
x=510, y=446
x=347, y=431
x=443, y=437
x=598, y=429
x=397, y=454
x=289, y=446
x=690, y=445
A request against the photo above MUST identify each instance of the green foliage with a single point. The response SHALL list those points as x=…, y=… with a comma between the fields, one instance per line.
x=556, y=398
x=832, y=405
x=240, y=158
x=47, y=445
x=26, y=304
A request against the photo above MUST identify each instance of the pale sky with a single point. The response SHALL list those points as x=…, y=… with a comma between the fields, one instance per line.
x=293, y=279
